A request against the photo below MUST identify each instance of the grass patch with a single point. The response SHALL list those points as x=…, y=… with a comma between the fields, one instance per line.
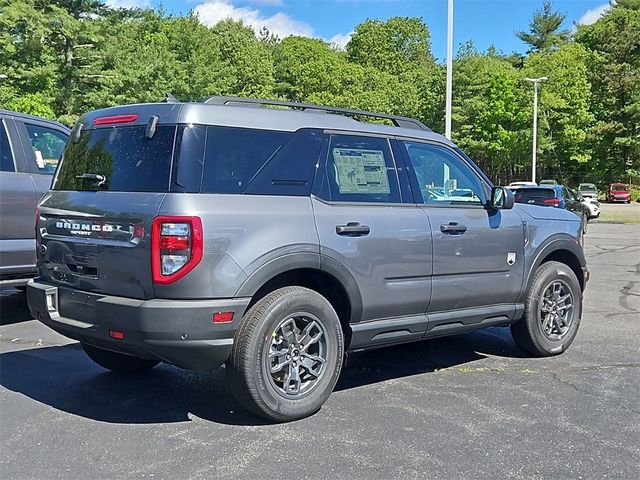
x=630, y=214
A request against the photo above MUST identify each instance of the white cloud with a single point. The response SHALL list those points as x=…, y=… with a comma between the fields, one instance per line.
x=340, y=40
x=129, y=3
x=279, y=24
x=593, y=14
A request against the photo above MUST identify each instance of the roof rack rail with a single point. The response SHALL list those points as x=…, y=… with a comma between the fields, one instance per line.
x=398, y=121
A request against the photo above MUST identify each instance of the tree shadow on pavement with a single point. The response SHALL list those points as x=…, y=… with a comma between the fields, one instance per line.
x=64, y=378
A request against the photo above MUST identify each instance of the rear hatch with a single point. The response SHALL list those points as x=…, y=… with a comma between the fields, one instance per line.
x=537, y=196
x=94, y=226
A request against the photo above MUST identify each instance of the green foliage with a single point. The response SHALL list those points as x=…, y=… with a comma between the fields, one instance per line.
x=544, y=29
x=565, y=118
x=490, y=114
x=65, y=57
x=615, y=85
x=394, y=46
x=31, y=103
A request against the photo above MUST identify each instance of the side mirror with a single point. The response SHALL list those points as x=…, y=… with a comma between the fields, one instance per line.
x=501, y=198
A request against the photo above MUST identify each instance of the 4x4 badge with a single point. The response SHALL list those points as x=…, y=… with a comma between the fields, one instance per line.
x=511, y=258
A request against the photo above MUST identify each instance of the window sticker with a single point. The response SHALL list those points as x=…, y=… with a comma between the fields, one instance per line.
x=361, y=171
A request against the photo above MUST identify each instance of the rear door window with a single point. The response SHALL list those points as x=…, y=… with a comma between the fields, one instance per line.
x=47, y=145
x=360, y=169
x=119, y=159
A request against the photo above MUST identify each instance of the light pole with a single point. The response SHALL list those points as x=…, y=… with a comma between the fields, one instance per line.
x=535, y=123
x=447, y=114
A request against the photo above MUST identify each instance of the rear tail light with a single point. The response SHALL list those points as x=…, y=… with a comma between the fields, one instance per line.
x=552, y=201
x=176, y=247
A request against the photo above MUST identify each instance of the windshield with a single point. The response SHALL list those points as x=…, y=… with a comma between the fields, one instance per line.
x=587, y=187
x=119, y=159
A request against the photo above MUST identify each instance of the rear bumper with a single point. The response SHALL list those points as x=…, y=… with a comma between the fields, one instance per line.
x=180, y=332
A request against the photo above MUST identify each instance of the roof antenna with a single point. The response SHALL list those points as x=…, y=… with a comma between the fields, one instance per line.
x=169, y=98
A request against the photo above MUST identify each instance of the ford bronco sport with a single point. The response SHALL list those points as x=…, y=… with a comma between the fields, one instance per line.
x=277, y=239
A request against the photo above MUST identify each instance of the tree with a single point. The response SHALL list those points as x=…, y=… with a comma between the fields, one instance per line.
x=394, y=46
x=565, y=119
x=613, y=73
x=49, y=49
x=491, y=118
x=544, y=29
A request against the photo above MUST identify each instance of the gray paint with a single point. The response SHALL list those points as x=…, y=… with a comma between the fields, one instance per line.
x=405, y=280
x=20, y=192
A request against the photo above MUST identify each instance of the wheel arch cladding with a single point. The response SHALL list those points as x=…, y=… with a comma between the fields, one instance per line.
x=568, y=258
x=561, y=248
x=343, y=295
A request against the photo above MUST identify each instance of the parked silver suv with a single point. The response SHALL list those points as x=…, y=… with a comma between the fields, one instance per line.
x=277, y=239
x=30, y=148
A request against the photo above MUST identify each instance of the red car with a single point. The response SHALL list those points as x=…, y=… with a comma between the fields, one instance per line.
x=618, y=192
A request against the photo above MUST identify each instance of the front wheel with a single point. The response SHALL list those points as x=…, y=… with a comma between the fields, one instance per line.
x=118, y=362
x=553, y=309
x=287, y=355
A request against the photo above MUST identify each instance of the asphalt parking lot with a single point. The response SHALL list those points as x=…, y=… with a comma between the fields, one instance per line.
x=469, y=406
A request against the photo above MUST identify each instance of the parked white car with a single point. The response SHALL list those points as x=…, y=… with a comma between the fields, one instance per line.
x=593, y=205
x=516, y=185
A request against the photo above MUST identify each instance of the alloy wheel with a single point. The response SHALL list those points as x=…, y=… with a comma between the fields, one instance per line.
x=297, y=355
x=555, y=314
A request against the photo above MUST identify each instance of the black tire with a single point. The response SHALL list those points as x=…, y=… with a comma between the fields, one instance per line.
x=528, y=332
x=258, y=343
x=118, y=362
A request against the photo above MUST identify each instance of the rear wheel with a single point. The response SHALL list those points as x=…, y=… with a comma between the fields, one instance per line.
x=118, y=362
x=553, y=309
x=287, y=354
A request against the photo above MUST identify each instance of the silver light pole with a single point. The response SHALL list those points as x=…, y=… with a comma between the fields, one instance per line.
x=535, y=123
x=447, y=115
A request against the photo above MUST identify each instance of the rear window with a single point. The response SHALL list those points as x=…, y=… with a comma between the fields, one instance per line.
x=122, y=156
x=525, y=194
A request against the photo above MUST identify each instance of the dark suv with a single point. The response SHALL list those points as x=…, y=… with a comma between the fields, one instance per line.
x=277, y=239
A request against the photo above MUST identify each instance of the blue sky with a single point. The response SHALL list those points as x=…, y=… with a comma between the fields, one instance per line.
x=486, y=22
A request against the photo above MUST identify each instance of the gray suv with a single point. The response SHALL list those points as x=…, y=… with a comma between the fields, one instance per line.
x=30, y=148
x=277, y=239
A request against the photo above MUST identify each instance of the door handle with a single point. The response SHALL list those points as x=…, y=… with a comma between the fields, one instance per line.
x=353, y=229
x=453, y=228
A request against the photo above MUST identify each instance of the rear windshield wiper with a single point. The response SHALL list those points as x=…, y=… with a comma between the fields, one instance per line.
x=99, y=179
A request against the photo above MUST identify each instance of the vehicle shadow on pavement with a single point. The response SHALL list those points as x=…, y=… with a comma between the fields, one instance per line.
x=65, y=379
x=13, y=307
x=426, y=356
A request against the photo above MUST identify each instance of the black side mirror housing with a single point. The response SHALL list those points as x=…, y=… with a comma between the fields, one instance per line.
x=501, y=198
